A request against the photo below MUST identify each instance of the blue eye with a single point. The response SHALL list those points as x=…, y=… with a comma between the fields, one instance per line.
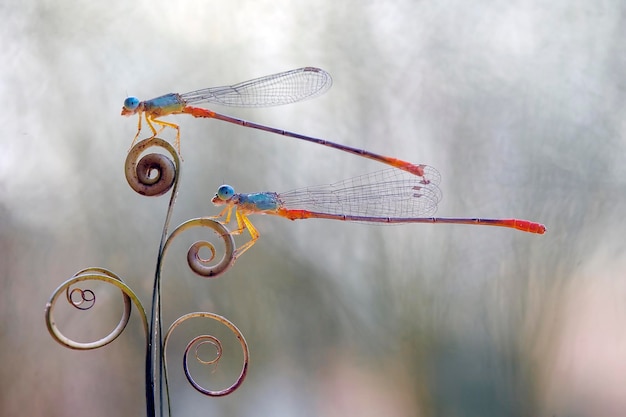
x=131, y=103
x=225, y=192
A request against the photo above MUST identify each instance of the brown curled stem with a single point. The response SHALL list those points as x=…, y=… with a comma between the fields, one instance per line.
x=153, y=174
x=199, y=265
x=215, y=342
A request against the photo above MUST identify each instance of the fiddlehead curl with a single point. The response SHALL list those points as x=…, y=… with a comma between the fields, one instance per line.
x=83, y=299
x=212, y=340
x=153, y=174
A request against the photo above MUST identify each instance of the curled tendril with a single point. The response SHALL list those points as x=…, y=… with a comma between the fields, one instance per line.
x=154, y=174
x=88, y=297
x=204, y=339
x=203, y=266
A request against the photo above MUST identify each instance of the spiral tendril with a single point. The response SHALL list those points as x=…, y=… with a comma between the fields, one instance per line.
x=89, y=297
x=154, y=174
x=198, y=264
x=204, y=339
x=86, y=296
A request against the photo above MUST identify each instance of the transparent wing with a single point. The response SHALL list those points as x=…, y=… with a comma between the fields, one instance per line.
x=387, y=193
x=271, y=90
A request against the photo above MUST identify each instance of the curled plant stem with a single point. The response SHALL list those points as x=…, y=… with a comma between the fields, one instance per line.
x=218, y=345
x=91, y=274
x=154, y=174
x=198, y=264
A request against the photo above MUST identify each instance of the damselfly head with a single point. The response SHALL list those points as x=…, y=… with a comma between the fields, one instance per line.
x=223, y=195
x=131, y=105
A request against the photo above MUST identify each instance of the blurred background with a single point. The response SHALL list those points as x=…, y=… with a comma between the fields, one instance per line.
x=519, y=104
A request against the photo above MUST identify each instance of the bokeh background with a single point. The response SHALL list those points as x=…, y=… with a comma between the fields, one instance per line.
x=519, y=104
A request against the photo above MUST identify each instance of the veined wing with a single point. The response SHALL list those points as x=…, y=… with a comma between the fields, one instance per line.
x=272, y=90
x=387, y=193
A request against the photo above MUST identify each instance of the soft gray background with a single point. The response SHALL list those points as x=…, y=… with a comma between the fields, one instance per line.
x=519, y=104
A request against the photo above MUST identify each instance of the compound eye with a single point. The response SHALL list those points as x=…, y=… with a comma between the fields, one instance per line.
x=131, y=103
x=225, y=192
